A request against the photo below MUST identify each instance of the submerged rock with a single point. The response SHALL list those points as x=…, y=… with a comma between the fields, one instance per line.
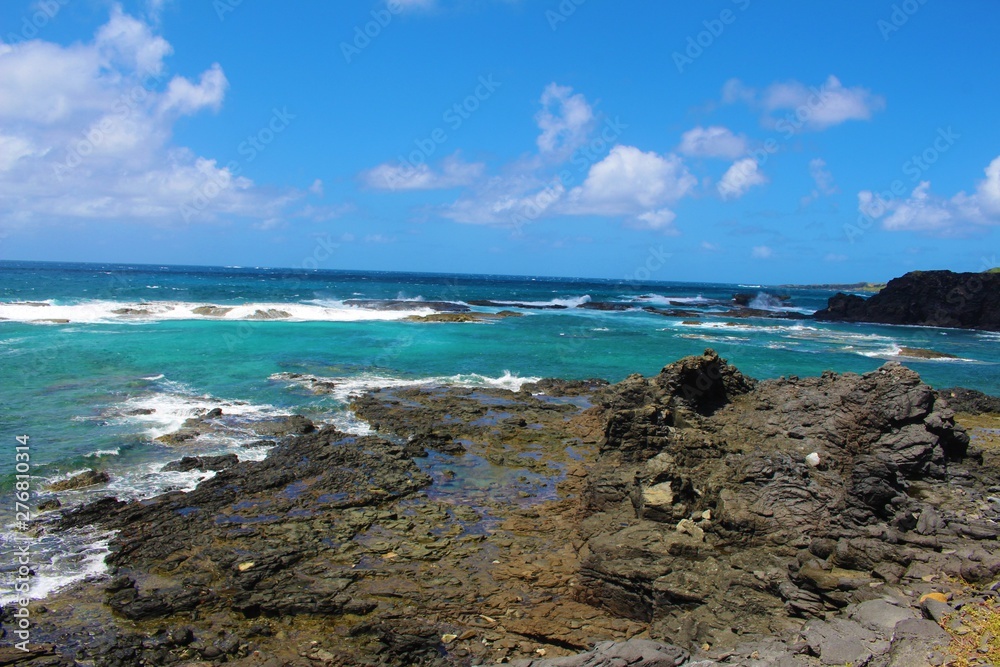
x=189, y=463
x=84, y=479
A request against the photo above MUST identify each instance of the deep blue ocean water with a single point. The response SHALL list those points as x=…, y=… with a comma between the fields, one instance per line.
x=98, y=360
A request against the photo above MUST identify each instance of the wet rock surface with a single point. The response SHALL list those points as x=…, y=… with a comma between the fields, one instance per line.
x=698, y=517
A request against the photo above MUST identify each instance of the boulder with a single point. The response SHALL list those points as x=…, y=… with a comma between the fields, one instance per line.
x=84, y=479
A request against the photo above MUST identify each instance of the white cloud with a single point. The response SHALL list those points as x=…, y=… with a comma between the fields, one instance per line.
x=735, y=90
x=922, y=211
x=12, y=149
x=400, y=176
x=823, y=180
x=565, y=121
x=714, y=141
x=762, y=252
x=739, y=178
x=88, y=128
x=188, y=98
x=710, y=247
x=661, y=221
x=822, y=176
x=834, y=257
x=808, y=107
x=125, y=42
x=988, y=191
x=317, y=187
x=627, y=183
x=631, y=182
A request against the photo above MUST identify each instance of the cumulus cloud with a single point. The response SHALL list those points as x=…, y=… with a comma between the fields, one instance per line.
x=402, y=176
x=740, y=178
x=565, y=121
x=631, y=182
x=799, y=106
x=88, y=131
x=923, y=211
x=628, y=183
x=714, y=141
x=636, y=186
x=661, y=221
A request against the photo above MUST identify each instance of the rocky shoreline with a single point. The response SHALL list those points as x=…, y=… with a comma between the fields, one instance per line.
x=925, y=298
x=698, y=517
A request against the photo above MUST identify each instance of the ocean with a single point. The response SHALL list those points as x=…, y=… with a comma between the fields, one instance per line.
x=96, y=361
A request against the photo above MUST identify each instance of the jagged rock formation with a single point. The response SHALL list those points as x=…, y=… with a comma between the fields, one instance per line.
x=925, y=298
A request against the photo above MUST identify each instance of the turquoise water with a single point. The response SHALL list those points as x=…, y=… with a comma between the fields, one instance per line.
x=95, y=389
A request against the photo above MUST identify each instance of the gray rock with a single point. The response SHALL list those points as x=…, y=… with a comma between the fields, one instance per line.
x=936, y=610
x=922, y=629
x=881, y=616
x=632, y=653
x=840, y=641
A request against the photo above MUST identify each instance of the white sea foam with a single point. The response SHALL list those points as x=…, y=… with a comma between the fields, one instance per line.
x=570, y=302
x=342, y=389
x=896, y=352
x=165, y=410
x=97, y=312
x=59, y=560
x=661, y=299
x=103, y=452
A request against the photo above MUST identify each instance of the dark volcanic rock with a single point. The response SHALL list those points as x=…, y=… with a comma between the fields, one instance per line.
x=707, y=517
x=439, y=306
x=606, y=305
x=202, y=463
x=970, y=401
x=485, y=303
x=635, y=652
x=87, y=478
x=925, y=298
x=222, y=527
x=293, y=425
x=712, y=460
x=643, y=413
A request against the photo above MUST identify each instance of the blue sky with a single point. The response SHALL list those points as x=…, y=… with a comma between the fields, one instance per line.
x=733, y=140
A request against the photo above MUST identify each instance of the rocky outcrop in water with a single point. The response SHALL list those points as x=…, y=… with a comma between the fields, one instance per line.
x=925, y=298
